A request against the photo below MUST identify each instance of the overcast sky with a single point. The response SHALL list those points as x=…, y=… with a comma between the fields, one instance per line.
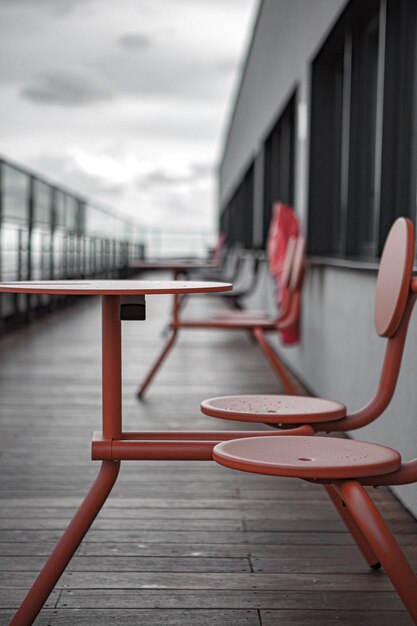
x=123, y=100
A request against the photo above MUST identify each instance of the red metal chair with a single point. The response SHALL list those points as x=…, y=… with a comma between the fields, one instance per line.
x=257, y=324
x=343, y=467
x=394, y=303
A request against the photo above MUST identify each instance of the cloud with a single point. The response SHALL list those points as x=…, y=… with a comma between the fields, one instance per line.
x=202, y=170
x=67, y=172
x=134, y=41
x=68, y=88
x=55, y=7
x=165, y=178
x=227, y=65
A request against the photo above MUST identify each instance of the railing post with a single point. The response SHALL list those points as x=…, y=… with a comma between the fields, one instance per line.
x=1, y=248
x=29, y=246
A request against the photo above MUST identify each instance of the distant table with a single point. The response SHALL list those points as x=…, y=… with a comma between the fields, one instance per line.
x=177, y=267
x=112, y=444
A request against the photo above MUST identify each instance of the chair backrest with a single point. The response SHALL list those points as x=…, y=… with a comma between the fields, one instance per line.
x=283, y=226
x=231, y=262
x=288, y=263
x=394, y=277
x=298, y=265
x=219, y=250
x=290, y=288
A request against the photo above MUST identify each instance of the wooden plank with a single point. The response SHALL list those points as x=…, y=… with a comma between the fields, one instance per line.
x=199, y=537
x=136, y=548
x=319, y=525
x=329, y=618
x=130, y=524
x=355, y=564
x=162, y=580
x=132, y=564
x=11, y=598
x=155, y=617
x=232, y=599
x=289, y=512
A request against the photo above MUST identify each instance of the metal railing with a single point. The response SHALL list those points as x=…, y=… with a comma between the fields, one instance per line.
x=170, y=243
x=50, y=233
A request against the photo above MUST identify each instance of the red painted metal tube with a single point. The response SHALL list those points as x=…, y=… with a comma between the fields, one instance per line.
x=272, y=357
x=382, y=542
x=358, y=536
x=162, y=450
x=292, y=316
x=112, y=367
x=161, y=358
x=67, y=545
x=211, y=435
x=176, y=446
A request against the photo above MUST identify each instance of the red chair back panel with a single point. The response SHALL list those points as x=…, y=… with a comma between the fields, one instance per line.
x=297, y=272
x=284, y=226
x=288, y=262
x=394, y=276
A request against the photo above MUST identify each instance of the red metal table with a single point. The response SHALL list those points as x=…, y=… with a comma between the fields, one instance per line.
x=112, y=444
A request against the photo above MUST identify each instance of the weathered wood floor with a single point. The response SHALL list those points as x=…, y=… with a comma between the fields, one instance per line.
x=177, y=543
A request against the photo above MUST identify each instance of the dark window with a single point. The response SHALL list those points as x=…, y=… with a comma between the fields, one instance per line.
x=399, y=163
x=364, y=154
x=361, y=123
x=279, y=164
x=236, y=221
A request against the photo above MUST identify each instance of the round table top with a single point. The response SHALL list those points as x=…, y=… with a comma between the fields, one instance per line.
x=171, y=264
x=113, y=287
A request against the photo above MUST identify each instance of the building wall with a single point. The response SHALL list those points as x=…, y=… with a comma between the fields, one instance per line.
x=288, y=34
x=340, y=355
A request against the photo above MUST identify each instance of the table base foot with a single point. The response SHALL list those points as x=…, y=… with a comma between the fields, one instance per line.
x=67, y=545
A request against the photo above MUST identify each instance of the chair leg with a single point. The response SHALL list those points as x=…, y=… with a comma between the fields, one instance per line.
x=382, y=542
x=275, y=362
x=168, y=346
x=353, y=528
x=67, y=545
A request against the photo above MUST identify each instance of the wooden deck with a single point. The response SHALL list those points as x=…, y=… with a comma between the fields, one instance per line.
x=177, y=543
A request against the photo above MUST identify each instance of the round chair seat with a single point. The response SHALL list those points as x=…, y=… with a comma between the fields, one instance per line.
x=307, y=457
x=274, y=409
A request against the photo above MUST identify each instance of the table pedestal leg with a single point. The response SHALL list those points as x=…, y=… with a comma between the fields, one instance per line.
x=67, y=545
x=101, y=488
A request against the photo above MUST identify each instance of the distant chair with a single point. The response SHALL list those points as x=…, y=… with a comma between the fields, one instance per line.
x=246, y=281
x=257, y=324
x=244, y=278
x=227, y=270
